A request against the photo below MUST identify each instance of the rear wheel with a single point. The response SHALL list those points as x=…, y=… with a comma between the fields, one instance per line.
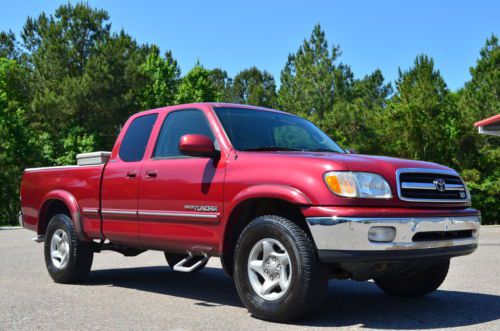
x=68, y=259
x=174, y=258
x=415, y=283
x=276, y=270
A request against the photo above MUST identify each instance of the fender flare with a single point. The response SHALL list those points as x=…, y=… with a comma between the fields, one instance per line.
x=70, y=201
x=269, y=191
x=273, y=191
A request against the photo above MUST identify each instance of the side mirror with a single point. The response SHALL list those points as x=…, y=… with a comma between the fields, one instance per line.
x=196, y=145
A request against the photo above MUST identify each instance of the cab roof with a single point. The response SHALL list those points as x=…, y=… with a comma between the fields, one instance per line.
x=211, y=105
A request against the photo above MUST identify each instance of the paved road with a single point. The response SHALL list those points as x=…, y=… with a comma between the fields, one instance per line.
x=142, y=293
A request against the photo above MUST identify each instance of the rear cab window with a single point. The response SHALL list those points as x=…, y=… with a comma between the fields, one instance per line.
x=136, y=138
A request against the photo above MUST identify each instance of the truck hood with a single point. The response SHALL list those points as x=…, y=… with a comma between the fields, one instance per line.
x=357, y=162
x=304, y=171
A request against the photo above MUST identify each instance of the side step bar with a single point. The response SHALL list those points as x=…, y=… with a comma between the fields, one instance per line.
x=181, y=265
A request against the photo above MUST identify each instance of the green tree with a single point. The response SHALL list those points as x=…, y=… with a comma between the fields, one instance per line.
x=113, y=84
x=356, y=118
x=8, y=46
x=307, y=80
x=480, y=154
x=315, y=86
x=199, y=85
x=480, y=98
x=17, y=149
x=222, y=84
x=421, y=121
x=163, y=75
x=254, y=87
x=84, y=76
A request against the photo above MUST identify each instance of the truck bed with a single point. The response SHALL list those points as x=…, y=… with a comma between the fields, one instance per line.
x=77, y=183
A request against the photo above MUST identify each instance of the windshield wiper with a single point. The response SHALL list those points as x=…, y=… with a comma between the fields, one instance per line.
x=322, y=150
x=272, y=148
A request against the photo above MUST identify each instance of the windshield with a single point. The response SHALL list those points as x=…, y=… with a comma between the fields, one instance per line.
x=258, y=130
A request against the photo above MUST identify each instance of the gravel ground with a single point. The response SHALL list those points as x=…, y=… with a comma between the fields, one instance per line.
x=130, y=293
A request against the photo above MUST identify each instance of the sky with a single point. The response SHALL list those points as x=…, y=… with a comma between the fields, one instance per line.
x=235, y=35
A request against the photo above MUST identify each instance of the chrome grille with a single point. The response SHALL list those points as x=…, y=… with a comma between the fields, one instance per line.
x=429, y=185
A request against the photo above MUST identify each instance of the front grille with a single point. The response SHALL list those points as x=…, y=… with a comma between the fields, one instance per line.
x=430, y=186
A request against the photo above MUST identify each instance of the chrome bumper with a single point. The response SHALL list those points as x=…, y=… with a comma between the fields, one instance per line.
x=351, y=234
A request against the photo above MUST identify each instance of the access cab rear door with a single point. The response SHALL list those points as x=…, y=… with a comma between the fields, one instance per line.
x=120, y=181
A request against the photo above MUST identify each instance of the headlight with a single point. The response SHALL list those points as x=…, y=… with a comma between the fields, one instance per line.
x=357, y=185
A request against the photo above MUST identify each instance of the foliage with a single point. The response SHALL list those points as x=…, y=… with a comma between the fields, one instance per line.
x=17, y=148
x=480, y=155
x=8, y=47
x=69, y=83
x=315, y=86
x=84, y=76
x=163, y=79
x=309, y=79
x=254, y=87
x=422, y=116
x=355, y=120
x=199, y=85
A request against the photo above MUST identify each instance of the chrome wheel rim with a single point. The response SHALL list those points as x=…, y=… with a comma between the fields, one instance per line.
x=59, y=249
x=269, y=269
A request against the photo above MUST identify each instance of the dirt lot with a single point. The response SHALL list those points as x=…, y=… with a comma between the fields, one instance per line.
x=143, y=293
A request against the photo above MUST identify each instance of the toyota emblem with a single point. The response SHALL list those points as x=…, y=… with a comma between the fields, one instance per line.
x=440, y=184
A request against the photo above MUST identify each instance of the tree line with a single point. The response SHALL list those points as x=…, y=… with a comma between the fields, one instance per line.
x=68, y=82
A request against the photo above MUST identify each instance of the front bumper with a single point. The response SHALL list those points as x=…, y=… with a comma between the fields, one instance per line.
x=345, y=239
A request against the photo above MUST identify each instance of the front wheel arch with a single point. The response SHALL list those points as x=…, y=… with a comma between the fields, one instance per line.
x=245, y=212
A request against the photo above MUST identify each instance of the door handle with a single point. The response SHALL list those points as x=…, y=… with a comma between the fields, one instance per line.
x=151, y=173
x=131, y=174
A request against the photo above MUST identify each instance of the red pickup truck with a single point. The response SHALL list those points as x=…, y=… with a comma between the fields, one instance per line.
x=280, y=203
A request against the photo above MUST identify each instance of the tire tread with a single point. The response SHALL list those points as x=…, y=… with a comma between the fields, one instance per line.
x=80, y=261
x=314, y=276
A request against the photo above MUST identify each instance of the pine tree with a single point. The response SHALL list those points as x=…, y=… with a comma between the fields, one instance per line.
x=309, y=77
x=197, y=86
x=163, y=76
x=480, y=154
x=421, y=119
x=254, y=87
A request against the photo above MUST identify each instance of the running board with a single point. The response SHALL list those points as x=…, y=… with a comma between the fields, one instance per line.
x=180, y=266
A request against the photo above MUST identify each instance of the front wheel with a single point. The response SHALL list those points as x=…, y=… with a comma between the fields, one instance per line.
x=67, y=258
x=276, y=270
x=415, y=283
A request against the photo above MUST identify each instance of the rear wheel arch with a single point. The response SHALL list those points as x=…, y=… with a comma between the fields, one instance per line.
x=60, y=202
x=67, y=258
x=246, y=211
x=49, y=209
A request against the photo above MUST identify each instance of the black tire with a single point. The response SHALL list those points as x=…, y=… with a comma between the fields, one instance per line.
x=79, y=260
x=416, y=283
x=309, y=277
x=174, y=258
